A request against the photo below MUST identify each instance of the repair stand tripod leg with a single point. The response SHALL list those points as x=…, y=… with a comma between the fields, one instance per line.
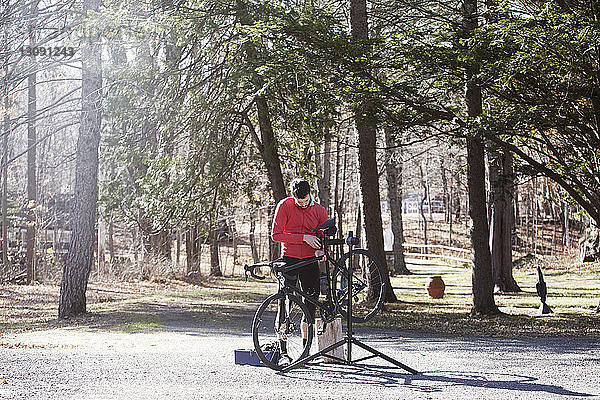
x=381, y=355
x=349, y=361
x=349, y=339
x=316, y=355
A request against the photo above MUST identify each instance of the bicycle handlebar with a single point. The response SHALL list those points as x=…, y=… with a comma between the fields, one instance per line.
x=250, y=269
x=273, y=265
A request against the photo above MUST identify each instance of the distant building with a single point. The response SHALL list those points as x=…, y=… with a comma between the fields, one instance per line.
x=411, y=204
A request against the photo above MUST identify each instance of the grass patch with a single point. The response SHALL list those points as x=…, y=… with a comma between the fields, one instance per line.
x=8, y=326
x=138, y=324
x=234, y=290
x=572, y=294
x=229, y=304
x=406, y=317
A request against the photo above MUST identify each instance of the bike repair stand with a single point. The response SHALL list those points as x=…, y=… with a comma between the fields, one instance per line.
x=349, y=339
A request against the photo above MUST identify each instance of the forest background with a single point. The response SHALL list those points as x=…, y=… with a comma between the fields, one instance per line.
x=153, y=139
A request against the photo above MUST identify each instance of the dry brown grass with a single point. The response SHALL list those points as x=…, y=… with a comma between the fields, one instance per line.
x=573, y=295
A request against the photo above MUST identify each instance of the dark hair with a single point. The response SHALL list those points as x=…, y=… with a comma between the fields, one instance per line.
x=299, y=188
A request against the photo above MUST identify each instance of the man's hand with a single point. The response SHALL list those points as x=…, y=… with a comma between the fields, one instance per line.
x=320, y=253
x=312, y=241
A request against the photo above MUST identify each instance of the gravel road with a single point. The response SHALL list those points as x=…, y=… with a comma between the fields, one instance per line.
x=181, y=360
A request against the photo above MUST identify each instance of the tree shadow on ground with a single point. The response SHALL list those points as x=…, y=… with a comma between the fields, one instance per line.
x=418, y=316
x=427, y=382
x=189, y=318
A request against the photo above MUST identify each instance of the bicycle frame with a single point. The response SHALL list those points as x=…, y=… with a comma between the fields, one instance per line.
x=329, y=306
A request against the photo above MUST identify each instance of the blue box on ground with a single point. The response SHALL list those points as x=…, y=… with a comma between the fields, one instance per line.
x=249, y=357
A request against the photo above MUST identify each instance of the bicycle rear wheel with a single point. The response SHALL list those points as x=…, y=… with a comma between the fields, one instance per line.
x=368, y=285
x=276, y=333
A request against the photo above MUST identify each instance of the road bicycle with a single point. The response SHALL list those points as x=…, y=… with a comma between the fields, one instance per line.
x=277, y=328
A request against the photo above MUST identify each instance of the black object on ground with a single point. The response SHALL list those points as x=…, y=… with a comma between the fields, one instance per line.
x=542, y=291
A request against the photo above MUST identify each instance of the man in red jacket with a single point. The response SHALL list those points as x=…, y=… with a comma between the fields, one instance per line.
x=293, y=224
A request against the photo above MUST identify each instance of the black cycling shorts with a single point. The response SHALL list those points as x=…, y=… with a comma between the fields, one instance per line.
x=309, y=280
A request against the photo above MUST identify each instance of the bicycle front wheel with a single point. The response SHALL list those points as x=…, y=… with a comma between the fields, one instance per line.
x=277, y=330
x=368, y=285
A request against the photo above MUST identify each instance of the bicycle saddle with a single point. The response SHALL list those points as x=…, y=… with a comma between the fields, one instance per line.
x=328, y=227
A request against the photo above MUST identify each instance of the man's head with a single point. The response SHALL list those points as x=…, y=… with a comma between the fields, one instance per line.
x=301, y=191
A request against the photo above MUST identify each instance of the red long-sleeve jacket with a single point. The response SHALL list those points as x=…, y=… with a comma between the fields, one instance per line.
x=291, y=223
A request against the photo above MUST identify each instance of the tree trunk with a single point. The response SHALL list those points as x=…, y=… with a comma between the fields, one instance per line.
x=100, y=242
x=111, y=239
x=267, y=148
x=31, y=155
x=161, y=243
x=252, y=237
x=157, y=242
x=6, y=132
x=156, y=236
x=178, y=248
x=324, y=170
x=366, y=125
x=527, y=218
x=81, y=250
x=534, y=218
x=483, y=280
x=359, y=223
x=267, y=144
x=215, y=267
x=394, y=181
x=189, y=253
x=135, y=243
x=446, y=198
x=589, y=244
x=340, y=186
x=274, y=247
x=566, y=229
x=234, y=242
x=502, y=221
x=6, y=267
x=192, y=250
x=517, y=211
x=425, y=177
x=456, y=206
x=270, y=153
x=450, y=217
x=424, y=185
x=336, y=192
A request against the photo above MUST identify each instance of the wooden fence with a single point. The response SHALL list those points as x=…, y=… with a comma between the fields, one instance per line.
x=429, y=252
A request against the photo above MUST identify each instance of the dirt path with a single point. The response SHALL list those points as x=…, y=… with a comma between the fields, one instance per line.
x=165, y=347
